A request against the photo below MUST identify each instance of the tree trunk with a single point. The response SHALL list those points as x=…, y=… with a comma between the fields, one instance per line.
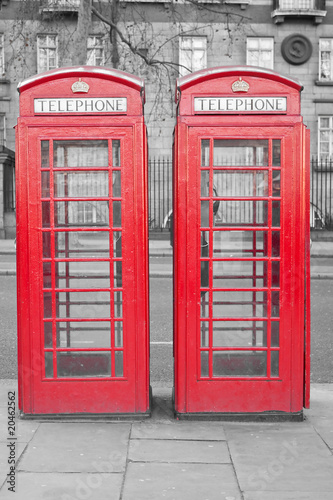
x=82, y=32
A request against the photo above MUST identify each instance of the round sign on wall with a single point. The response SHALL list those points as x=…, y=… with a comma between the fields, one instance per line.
x=296, y=49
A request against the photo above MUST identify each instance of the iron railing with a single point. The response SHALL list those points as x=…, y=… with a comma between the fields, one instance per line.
x=321, y=216
x=160, y=193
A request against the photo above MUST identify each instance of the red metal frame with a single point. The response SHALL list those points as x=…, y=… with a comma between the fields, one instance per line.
x=198, y=389
x=47, y=295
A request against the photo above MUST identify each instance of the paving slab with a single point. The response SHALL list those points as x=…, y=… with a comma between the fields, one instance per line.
x=194, y=431
x=145, y=481
x=34, y=486
x=154, y=450
x=286, y=495
x=77, y=447
x=280, y=457
x=5, y=455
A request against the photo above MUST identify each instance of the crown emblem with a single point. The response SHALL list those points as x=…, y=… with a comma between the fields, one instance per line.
x=80, y=86
x=240, y=86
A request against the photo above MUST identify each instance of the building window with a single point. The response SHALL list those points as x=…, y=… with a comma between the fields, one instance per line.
x=47, y=52
x=260, y=52
x=2, y=130
x=192, y=54
x=315, y=9
x=297, y=4
x=2, y=56
x=326, y=59
x=325, y=141
x=9, y=188
x=95, y=51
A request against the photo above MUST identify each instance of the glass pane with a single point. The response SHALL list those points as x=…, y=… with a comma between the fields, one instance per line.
x=205, y=213
x=276, y=191
x=276, y=213
x=249, y=213
x=82, y=275
x=275, y=274
x=82, y=244
x=240, y=304
x=240, y=153
x=83, y=335
x=45, y=184
x=239, y=333
x=205, y=183
x=249, y=183
x=116, y=183
x=46, y=222
x=83, y=154
x=48, y=364
x=204, y=364
x=47, y=305
x=84, y=364
x=118, y=334
x=204, y=273
x=48, y=343
x=118, y=361
x=238, y=274
x=83, y=304
x=81, y=213
x=275, y=243
x=204, y=305
x=240, y=364
x=117, y=250
x=204, y=244
x=45, y=157
x=240, y=244
x=47, y=245
x=275, y=304
x=205, y=153
x=47, y=276
x=275, y=333
x=274, y=363
x=116, y=153
x=118, y=304
x=276, y=160
x=204, y=330
x=81, y=184
x=118, y=274
x=116, y=213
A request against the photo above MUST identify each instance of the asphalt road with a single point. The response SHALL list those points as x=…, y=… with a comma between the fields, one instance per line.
x=161, y=330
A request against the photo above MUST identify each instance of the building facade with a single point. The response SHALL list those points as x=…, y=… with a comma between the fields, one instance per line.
x=160, y=40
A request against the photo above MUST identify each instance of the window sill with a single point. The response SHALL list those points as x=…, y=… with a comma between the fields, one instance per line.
x=324, y=83
x=279, y=15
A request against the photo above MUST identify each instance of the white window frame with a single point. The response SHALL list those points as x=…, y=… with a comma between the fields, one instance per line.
x=192, y=57
x=260, y=50
x=51, y=50
x=2, y=55
x=97, y=44
x=328, y=61
x=328, y=132
x=3, y=130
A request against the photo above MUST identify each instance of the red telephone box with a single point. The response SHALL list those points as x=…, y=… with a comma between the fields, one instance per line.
x=82, y=269
x=241, y=245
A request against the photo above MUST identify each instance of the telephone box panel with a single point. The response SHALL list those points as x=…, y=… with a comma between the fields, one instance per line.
x=82, y=270
x=241, y=245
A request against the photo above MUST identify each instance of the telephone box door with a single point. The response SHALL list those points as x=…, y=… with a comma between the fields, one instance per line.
x=244, y=316
x=85, y=353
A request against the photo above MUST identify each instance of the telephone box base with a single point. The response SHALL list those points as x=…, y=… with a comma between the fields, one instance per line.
x=243, y=417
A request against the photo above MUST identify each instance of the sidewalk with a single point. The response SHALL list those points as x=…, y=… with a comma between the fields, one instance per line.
x=162, y=458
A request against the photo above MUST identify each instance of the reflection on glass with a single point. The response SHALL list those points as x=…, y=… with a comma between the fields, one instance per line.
x=81, y=213
x=275, y=333
x=205, y=213
x=48, y=364
x=276, y=152
x=204, y=265
x=118, y=274
x=83, y=335
x=205, y=153
x=47, y=276
x=46, y=221
x=276, y=190
x=204, y=244
x=81, y=244
x=46, y=245
x=276, y=213
x=45, y=157
x=83, y=274
x=118, y=304
x=238, y=274
x=275, y=274
x=84, y=364
x=118, y=362
x=48, y=342
x=81, y=184
x=239, y=334
x=116, y=153
x=205, y=183
x=204, y=305
x=275, y=304
x=237, y=304
x=275, y=243
x=240, y=244
x=240, y=364
x=249, y=183
x=45, y=184
x=116, y=183
x=204, y=330
x=116, y=213
x=204, y=364
x=83, y=304
x=117, y=250
x=80, y=153
x=241, y=212
x=118, y=334
x=240, y=153
x=47, y=305
x=274, y=363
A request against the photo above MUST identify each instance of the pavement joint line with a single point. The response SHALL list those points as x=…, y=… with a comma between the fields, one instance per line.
x=127, y=461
